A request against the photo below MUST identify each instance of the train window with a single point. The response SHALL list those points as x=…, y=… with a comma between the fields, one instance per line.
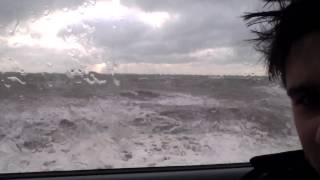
x=118, y=84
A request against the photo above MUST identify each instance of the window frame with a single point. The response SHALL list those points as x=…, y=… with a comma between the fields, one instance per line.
x=169, y=172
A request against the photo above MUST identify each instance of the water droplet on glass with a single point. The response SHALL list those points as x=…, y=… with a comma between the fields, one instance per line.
x=81, y=10
x=85, y=4
x=92, y=2
x=11, y=32
x=35, y=35
x=85, y=26
x=71, y=54
x=23, y=30
x=50, y=85
x=33, y=19
x=46, y=12
x=15, y=79
x=116, y=82
x=21, y=97
x=93, y=80
x=69, y=30
x=82, y=35
x=22, y=72
x=88, y=28
x=49, y=64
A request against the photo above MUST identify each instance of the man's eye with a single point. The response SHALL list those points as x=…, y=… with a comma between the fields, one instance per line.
x=306, y=100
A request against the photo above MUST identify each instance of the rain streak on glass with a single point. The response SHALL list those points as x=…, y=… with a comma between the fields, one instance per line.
x=113, y=84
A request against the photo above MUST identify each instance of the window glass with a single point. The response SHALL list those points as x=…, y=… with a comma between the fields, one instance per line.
x=134, y=83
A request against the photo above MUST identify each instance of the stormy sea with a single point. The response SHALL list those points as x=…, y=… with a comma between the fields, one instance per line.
x=74, y=121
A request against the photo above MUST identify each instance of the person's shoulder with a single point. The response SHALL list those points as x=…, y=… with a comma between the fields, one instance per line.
x=284, y=165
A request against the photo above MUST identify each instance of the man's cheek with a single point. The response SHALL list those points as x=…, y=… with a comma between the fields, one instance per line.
x=317, y=136
x=308, y=128
x=309, y=132
x=312, y=130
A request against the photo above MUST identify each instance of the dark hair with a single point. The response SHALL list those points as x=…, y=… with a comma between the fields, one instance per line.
x=279, y=28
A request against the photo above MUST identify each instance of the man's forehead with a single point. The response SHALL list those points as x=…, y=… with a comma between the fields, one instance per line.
x=303, y=65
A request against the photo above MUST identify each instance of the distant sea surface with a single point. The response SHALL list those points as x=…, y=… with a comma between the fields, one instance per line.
x=72, y=121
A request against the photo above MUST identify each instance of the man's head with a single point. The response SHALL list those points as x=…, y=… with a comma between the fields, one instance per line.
x=289, y=37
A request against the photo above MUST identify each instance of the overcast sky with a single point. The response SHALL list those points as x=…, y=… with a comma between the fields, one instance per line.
x=128, y=36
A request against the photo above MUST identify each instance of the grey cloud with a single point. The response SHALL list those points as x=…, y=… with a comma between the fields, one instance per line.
x=201, y=24
x=196, y=25
x=12, y=12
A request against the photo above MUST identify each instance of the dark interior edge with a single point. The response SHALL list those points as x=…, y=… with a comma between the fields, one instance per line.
x=121, y=171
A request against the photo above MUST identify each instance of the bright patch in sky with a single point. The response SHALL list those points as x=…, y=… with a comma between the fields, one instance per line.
x=156, y=19
x=44, y=31
x=213, y=53
x=99, y=68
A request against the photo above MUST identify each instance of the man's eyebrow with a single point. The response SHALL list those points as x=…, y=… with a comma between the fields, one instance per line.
x=303, y=88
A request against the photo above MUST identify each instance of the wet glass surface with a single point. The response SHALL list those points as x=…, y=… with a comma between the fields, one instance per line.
x=117, y=84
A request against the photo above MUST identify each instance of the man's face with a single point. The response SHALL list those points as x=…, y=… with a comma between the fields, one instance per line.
x=303, y=87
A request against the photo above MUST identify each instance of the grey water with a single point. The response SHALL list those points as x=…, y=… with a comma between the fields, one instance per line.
x=92, y=121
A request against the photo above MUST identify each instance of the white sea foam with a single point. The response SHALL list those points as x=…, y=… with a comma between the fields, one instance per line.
x=184, y=99
x=273, y=90
x=165, y=129
x=119, y=145
x=100, y=150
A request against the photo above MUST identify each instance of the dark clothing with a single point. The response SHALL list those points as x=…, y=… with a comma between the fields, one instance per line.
x=288, y=165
